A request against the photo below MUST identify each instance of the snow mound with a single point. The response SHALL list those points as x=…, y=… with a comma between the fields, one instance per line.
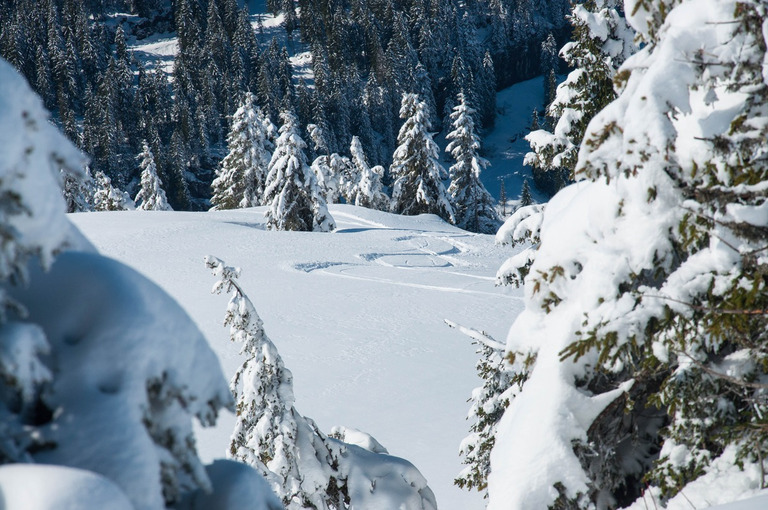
x=235, y=487
x=130, y=370
x=41, y=487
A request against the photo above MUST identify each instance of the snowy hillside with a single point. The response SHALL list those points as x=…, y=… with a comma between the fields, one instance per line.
x=505, y=146
x=356, y=314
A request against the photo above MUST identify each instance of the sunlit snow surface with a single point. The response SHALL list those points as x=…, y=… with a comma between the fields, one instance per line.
x=357, y=315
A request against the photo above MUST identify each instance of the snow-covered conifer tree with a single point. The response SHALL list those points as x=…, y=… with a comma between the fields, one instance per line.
x=33, y=227
x=488, y=404
x=269, y=434
x=325, y=179
x=95, y=360
x=240, y=179
x=291, y=191
x=342, y=176
x=333, y=174
x=332, y=171
x=366, y=188
x=503, y=198
x=321, y=166
x=107, y=197
x=78, y=190
x=306, y=468
x=525, y=195
x=415, y=167
x=474, y=208
x=602, y=40
x=319, y=136
x=646, y=296
x=151, y=196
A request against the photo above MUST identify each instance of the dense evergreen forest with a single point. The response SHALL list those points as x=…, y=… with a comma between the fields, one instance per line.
x=366, y=54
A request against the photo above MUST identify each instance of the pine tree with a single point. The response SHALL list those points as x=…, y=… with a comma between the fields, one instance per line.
x=525, y=195
x=151, y=196
x=343, y=178
x=474, y=209
x=27, y=201
x=107, y=197
x=366, y=189
x=601, y=42
x=535, y=125
x=418, y=188
x=176, y=170
x=488, y=402
x=487, y=83
x=49, y=398
x=328, y=178
x=78, y=191
x=549, y=66
x=240, y=179
x=656, y=312
x=291, y=191
x=269, y=434
x=503, y=198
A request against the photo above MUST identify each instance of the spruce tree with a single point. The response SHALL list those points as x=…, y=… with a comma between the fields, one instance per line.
x=488, y=403
x=418, y=188
x=366, y=189
x=270, y=434
x=295, y=200
x=107, y=197
x=549, y=66
x=535, y=124
x=326, y=167
x=525, y=195
x=240, y=179
x=78, y=191
x=503, y=198
x=176, y=173
x=474, y=208
x=151, y=196
x=601, y=42
x=54, y=411
x=653, y=320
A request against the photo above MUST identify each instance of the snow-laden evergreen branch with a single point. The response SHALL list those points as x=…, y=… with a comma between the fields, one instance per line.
x=479, y=336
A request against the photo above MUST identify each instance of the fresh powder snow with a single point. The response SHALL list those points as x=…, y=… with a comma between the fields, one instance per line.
x=357, y=315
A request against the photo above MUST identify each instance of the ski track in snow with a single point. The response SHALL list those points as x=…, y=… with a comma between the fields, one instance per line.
x=343, y=273
x=421, y=253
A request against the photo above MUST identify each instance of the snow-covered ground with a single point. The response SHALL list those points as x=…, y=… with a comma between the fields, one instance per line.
x=357, y=315
x=160, y=49
x=505, y=147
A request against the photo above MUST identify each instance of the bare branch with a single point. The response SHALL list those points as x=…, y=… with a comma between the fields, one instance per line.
x=479, y=336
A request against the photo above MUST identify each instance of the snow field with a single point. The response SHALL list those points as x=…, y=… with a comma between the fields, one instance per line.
x=357, y=316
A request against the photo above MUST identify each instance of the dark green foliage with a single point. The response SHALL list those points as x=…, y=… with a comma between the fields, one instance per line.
x=525, y=195
x=365, y=56
x=502, y=379
x=702, y=359
x=586, y=91
x=474, y=208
